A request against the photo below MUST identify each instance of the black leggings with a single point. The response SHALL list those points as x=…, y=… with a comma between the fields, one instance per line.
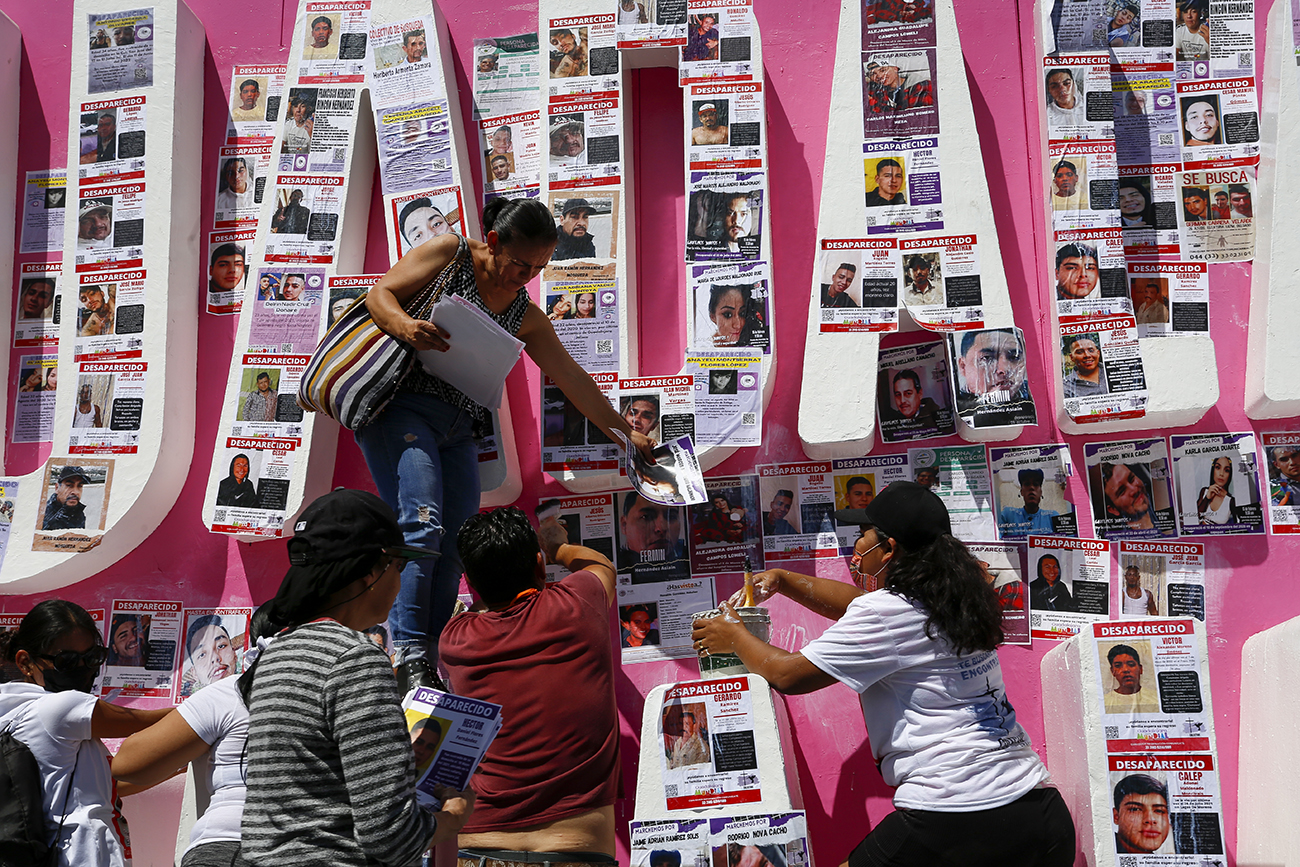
x=1035, y=830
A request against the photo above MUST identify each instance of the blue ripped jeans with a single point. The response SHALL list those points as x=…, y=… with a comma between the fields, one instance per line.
x=424, y=461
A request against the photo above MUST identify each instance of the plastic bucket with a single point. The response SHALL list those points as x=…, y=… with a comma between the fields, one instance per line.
x=758, y=623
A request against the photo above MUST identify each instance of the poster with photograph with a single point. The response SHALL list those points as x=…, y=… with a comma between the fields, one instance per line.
x=1146, y=115
x=1216, y=479
x=725, y=126
x=1077, y=95
x=255, y=95
x=724, y=216
x=941, y=282
x=856, y=482
x=449, y=736
x=1218, y=119
x=1083, y=185
x=901, y=179
x=289, y=323
x=1070, y=585
x=582, y=48
x=655, y=619
x=1181, y=796
x=651, y=540
x=886, y=25
x=719, y=42
x=404, y=72
x=728, y=396
x=730, y=306
x=683, y=843
x=570, y=441
x=35, y=322
x=111, y=141
x=252, y=497
x=343, y=293
x=674, y=479
x=144, y=637
x=583, y=141
x=1030, y=491
x=1005, y=562
x=215, y=641
x=585, y=318
x=120, y=50
x=660, y=407
x=900, y=96
x=421, y=215
x=587, y=221
x=304, y=224
x=798, y=503
x=1089, y=274
x=650, y=24
x=726, y=529
x=587, y=519
x=45, y=199
x=110, y=315
x=1281, y=457
x=110, y=405
x=507, y=74
x=334, y=42
x=1131, y=489
x=777, y=840
x=267, y=401
x=1162, y=579
x=1170, y=298
x=1217, y=219
x=1101, y=369
x=1149, y=205
x=959, y=475
x=1150, y=679
x=317, y=124
x=512, y=155
x=110, y=227
x=75, y=504
x=989, y=377
x=38, y=382
x=415, y=147
x=228, y=269
x=242, y=171
x=912, y=393
x=707, y=729
x=859, y=280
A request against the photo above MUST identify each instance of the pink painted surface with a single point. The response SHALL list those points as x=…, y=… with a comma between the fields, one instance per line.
x=1249, y=580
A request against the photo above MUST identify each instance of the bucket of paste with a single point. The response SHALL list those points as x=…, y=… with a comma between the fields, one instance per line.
x=758, y=623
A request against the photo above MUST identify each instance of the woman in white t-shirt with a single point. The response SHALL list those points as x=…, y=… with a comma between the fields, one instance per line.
x=920, y=651
x=209, y=729
x=58, y=649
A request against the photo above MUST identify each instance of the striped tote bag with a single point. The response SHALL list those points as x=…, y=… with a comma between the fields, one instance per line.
x=356, y=368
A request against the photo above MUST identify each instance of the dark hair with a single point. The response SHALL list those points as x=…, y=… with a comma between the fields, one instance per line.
x=413, y=206
x=1072, y=339
x=1051, y=557
x=1131, y=184
x=1121, y=650
x=499, y=552
x=947, y=580
x=1239, y=188
x=261, y=625
x=377, y=630
x=968, y=339
x=1035, y=476
x=423, y=724
x=411, y=34
x=226, y=250
x=848, y=266
x=1139, y=784
x=319, y=18
x=519, y=221
x=262, y=375
x=1065, y=164
x=45, y=624
x=202, y=623
x=908, y=373
x=247, y=81
x=752, y=312
x=632, y=609
x=1075, y=251
x=1215, y=461
x=503, y=157
x=1196, y=193
x=784, y=492
x=887, y=162
x=670, y=856
x=1138, y=470
x=1056, y=70
x=858, y=480
x=916, y=262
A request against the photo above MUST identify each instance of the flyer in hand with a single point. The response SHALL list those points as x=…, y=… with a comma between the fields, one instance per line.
x=449, y=736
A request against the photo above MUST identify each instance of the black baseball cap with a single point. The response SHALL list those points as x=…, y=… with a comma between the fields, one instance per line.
x=911, y=513
x=345, y=523
x=571, y=205
x=72, y=470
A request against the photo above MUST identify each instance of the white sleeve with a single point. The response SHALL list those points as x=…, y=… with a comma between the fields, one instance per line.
x=858, y=649
x=208, y=712
x=66, y=715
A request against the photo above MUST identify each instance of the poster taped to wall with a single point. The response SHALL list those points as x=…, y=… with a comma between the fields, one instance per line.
x=651, y=541
x=990, y=379
x=1005, y=562
x=941, y=282
x=45, y=199
x=901, y=179
x=38, y=382
x=1030, y=491
x=913, y=394
x=1216, y=480
x=728, y=396
x=727, y=529
x=143, y=640
x=256, y=92
x=35, y=322
x=75, y=504
x=334, y=42
x=730, y=306
x=709, y=758
x=587, y=520
x=959, y=475
x=507, y=72
x=404, y=71
x=859, y=280
x=779, y=840
x=1170, y=299
x=1070, y=587
x=655, y=619
x=110, y=315
x=252, y=497
x=1281, y=455
x=1162, y=579
x=1131, y=489
x=110, y=227
x=110, y=407
x=684, y=843
x=1189, y=832
x=120, y=50
x=719, y=42
x=797, y=501
x=1101, y=368
x=856, y=482
x=111, y=141
x=215, y=641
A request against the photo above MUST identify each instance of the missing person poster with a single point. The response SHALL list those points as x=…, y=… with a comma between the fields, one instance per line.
x=110, y=227
x=725, y=126
x=334, y=42
x=252, y=497
x=584, y=134
x=709, y=758
x=728, y=396
x=570, y=441
x=941, y=282
x=8, y=495
x=1031, y=491
x=228, y=269
x=899, y=93
x=507, y=73
x=110, y=406
x=1170, y=298
x=111, y=143
x=38, y=382
x=1216, y=479
x=215, y=641
x=290, y=321
x=730, y=306
x=990, y=378
x=256, y=92
x=110, y=315
x=35, y=323
x=1101, y=368
x=798, y=502
x=422, y=215
x=1149, y=205
x=650, y=24
x=1219, y=119
x=859, y=280
x=1216, y=221
x=724, y=216
x=582, y=48
x=1131, y=489
x=1170, y=809
x=304, y=224
x=1070, y=587
x=651, y=540
x=241, y=178
x=1089, y=274
x=1005, y=562
x=449, y=736
x=76, y=499
x=655, y=619
x=674, y=479
x=856, y=482
x=719, y=42
x=1162, y=579
x=512, y=156
x=1077, y=95
x=1083, y=189
x=120, y=50
x=414, y=147
x=683, y=843
x=1281, y=455
x=914, y=400
x=587, y=520
x=901, y=177
x=585, y=317
x=143, y=639
x=266, y=404
x=318, y=122
x=726, y=530
x=660, y=407
x=1152, y=695
x=1146, y=124
x=45, y=199
x=960, y=477
x=779, y=840
x=404, y=72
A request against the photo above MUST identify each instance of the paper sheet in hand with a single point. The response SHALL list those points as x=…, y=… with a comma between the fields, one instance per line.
x=449, y=735
x=481, y=352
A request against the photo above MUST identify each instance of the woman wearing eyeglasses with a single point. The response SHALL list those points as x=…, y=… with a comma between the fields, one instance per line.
x=57, y=648
x=920, y=652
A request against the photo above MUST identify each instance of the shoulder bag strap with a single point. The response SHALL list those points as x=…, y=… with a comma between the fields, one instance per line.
x=422, y=305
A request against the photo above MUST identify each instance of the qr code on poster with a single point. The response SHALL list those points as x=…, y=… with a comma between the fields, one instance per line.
x=604, y=346
x=670, y=789
x=748, y=418
x=1165, y=139
x=1112, y=732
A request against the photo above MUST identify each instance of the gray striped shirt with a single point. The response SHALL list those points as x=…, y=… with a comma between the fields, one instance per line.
x=331, y=777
